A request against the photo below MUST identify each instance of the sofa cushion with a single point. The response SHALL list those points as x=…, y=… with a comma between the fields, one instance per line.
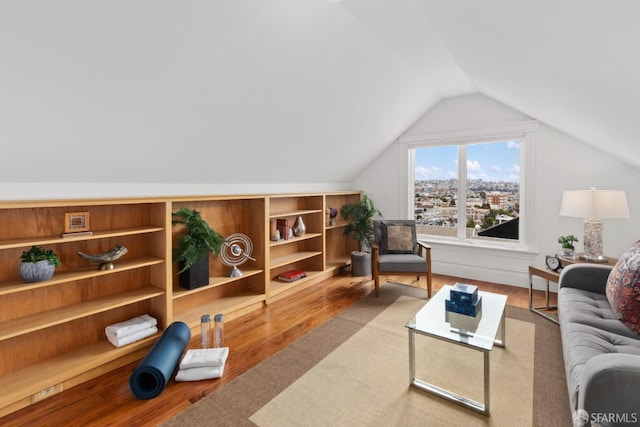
x=581, y=342
x=592, y=309
x=623, y=290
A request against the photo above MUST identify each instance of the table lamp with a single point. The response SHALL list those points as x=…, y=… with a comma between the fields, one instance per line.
x=594, y=206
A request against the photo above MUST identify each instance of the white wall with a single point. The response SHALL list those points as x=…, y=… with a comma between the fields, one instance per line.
x=560, y=163
x=235, y=92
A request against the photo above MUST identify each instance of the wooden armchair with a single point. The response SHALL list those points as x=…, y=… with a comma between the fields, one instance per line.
x=395, y=250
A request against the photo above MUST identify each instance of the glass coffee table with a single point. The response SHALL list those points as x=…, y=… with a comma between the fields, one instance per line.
x=431, y=321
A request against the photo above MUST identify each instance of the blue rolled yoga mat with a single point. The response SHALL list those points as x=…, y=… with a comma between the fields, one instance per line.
x=151, y=376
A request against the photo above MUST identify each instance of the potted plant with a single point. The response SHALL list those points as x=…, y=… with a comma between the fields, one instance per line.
x=193, y=248
x=568, y=249
x=38, y=264
x=359, y=217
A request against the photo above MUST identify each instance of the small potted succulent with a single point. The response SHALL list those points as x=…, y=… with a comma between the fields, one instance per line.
x=568, y=249
x=38, y=264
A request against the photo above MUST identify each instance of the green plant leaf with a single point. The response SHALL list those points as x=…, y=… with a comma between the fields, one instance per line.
x=198, y=240
x=36, y=253
x=359, y=217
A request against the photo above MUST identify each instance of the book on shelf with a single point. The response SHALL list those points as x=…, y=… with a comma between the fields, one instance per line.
x=292, y=275
x=283, y=228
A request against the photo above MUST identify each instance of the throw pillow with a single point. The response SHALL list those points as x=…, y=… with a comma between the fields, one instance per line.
x=623, y=288
x=398, y=237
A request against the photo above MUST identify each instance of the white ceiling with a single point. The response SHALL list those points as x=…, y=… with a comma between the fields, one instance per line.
x=255, y=91
x=574, y=64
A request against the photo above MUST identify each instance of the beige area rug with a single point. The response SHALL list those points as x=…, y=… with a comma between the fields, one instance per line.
x=249, y=395
x=364, y=382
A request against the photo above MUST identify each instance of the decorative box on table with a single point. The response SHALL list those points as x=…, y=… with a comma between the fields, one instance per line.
x=462, y=292
x=464, y=299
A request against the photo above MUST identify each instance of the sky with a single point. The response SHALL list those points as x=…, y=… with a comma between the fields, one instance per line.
x=495, y=161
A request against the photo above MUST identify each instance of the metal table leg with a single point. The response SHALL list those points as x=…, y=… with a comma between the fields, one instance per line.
x=483, y=408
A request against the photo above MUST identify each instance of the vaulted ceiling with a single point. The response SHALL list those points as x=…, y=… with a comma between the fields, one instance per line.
x=249, y=91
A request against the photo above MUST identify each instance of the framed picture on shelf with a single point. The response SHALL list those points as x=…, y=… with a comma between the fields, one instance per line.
x=76, y=222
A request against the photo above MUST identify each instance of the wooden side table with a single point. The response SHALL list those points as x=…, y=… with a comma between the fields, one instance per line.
x=577, y=260
x=552, y=276
x=549, y=276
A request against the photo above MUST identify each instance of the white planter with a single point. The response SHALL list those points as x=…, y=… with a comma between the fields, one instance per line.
x=36, y=272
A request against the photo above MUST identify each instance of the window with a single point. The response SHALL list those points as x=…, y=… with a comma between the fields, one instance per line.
x=470, y=190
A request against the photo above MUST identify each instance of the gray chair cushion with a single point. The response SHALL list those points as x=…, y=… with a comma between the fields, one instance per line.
x=403, y=263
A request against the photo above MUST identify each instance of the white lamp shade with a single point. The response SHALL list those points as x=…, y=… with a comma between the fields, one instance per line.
x=601, y=204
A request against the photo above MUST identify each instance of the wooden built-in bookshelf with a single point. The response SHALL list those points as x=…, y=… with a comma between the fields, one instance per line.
x=52, y=332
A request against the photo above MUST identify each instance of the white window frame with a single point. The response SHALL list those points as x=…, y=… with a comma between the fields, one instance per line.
x=524, y=131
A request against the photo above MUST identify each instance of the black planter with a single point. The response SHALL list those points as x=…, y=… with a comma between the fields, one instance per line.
x=196, y=276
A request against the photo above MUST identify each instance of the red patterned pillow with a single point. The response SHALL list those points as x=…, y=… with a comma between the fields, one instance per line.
x=623, y=288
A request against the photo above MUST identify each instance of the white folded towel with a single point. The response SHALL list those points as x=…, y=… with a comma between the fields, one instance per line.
x=197, y=374
x=205, y=357
x=128, y=327
x=136, y=336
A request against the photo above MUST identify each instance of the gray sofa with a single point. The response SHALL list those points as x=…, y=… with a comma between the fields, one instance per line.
x=601, y=354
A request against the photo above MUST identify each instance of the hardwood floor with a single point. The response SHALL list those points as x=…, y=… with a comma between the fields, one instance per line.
x=107, y=400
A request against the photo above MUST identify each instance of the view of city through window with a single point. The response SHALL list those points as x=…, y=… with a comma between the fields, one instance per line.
x=491, y=180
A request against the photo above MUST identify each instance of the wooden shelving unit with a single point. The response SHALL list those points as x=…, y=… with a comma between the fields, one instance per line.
x=231, y=296
x=77, y=274
x=303, y=252
x=46, y=319
x=338, y=248
x=52, y=332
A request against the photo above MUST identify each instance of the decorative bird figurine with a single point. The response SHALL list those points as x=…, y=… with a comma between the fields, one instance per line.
x=106, y=258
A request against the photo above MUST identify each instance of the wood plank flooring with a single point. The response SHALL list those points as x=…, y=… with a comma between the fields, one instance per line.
x=107, y=400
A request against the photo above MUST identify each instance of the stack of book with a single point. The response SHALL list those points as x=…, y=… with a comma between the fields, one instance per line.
x=292, y=275
x=464, y=299
x=282, y=225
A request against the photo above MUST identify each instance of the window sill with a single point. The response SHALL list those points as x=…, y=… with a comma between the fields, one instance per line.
x=473, y=244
